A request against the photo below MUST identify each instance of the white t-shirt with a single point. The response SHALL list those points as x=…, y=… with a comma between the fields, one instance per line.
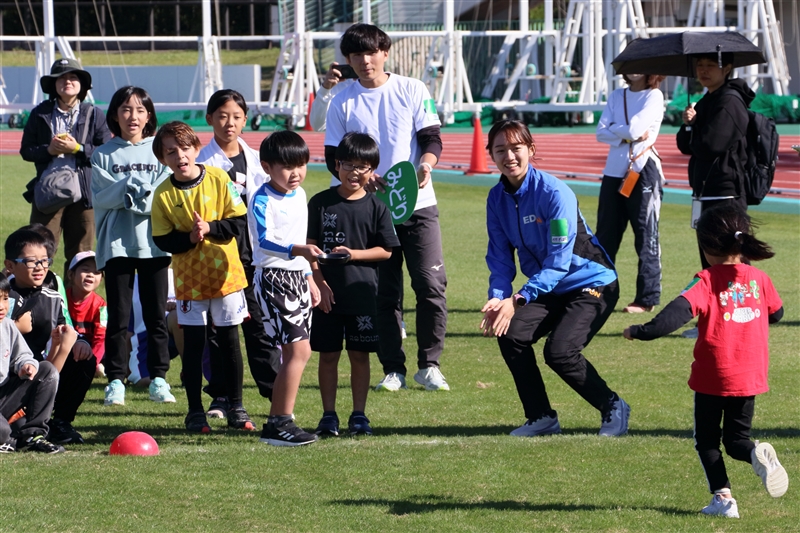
x=645, y=112
x=276, y=222
x=392, y=114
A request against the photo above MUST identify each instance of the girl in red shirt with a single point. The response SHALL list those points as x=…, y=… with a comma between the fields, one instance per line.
x=735, y=303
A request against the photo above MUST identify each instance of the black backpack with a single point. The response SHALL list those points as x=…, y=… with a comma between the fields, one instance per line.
x=762, y=156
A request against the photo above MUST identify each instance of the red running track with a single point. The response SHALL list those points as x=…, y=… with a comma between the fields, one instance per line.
x=559, y=153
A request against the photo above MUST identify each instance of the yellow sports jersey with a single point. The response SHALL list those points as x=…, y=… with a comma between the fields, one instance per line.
x=211, y=269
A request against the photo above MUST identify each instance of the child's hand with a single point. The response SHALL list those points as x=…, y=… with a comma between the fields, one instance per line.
x=345, y=250
x=309, y=251
x=28, y=371
x=24, y=323
x=326, y=300
x=313, y=290
x=200, y=229
x=55, y=335
x=171, y=306
x=627, y=333
x=82, y=351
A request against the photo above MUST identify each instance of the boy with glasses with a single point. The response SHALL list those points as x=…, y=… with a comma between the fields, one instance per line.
x=348, y=219
x=38, y=310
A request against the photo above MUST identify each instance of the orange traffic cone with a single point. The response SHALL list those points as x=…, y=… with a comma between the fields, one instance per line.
x=477, y=163
x=308, y=127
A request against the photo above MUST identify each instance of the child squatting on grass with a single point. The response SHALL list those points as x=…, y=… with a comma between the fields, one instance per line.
x=26, y=385
x=197, y=216
x=88, y=314
x=735, y=303
x=38, y=312
x=348, y=219
x=278, y=218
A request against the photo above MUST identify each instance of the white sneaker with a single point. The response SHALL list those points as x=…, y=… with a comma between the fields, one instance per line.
x=615, y=423
x=546, y=425
x=720, y=506
x=768, y=468
x=690, y=333
x=431, y=378
x=392, y=382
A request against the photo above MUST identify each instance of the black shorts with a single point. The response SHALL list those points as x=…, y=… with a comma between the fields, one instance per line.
x=359, y=332
x=285, y=303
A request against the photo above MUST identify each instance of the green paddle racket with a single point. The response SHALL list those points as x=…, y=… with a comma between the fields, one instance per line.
x=401, y=191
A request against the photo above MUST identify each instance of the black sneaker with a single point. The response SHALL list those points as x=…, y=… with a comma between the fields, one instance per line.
x=219, y=408
x=62, y=432
x=238, y=419
x=286, y=434
x=359, y=425
x=9, y=447
x=41, y=445
x=328, y=425
x=196, y=422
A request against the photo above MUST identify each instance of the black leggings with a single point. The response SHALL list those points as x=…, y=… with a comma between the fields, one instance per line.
x=194, y=345
x=735, y=413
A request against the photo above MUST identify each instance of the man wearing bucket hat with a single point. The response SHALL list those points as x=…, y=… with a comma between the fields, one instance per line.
x=50, y=141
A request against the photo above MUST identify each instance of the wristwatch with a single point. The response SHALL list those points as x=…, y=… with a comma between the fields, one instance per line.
x=519, y=300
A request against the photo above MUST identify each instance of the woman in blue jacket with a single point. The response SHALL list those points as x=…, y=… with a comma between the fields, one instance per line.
x=571, y=286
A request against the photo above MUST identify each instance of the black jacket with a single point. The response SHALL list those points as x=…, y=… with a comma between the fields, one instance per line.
x=717, y=141
x=37, y=136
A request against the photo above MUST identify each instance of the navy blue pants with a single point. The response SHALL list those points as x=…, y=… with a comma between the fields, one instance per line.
x=642, y=211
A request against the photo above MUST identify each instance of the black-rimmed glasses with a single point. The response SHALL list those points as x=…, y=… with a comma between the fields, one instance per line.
x=350, y=167
x=32, y=263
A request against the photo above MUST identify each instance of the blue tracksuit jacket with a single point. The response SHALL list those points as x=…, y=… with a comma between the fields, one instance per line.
x=557, y=250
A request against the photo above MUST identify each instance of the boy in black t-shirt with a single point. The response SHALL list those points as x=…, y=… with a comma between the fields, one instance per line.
x=347, y=219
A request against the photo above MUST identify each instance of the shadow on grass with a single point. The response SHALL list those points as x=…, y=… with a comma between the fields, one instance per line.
x=104, y=435
x=431, y=503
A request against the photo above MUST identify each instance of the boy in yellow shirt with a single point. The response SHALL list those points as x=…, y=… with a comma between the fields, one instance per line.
x=197, y=216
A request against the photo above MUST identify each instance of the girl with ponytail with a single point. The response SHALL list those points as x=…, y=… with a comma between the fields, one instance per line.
x=735, y=303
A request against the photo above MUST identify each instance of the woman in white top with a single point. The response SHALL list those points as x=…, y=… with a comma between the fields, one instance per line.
x=630, y=124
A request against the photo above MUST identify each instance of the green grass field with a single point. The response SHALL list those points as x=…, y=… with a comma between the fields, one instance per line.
x=438, y=461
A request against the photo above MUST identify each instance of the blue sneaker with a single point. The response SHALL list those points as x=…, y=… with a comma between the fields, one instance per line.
x=114, y=393
x=328, y=425
x=359, y=425
x=159, y=391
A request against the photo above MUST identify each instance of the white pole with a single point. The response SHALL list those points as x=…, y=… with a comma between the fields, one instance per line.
x=550, y=44
x=49, y=51
x=206, y=19
x=450, y=63
x=524, y=16
x=301, y=89
x=366, y=11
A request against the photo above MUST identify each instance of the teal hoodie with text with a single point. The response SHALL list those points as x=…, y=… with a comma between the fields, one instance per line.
x=124, y=177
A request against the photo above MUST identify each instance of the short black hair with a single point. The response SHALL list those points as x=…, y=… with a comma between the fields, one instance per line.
x=285, y=148
x=360, y=38
x=45, y=232
x=118, y=100
x=220, y=98
x=5, y=286
x=359, y=147
x=21, y=238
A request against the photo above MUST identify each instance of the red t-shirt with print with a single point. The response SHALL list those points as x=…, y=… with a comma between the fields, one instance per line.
x=89, y=318
x=733, y=303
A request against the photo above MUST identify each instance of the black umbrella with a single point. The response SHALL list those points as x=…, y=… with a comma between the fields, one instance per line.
x=671, y=55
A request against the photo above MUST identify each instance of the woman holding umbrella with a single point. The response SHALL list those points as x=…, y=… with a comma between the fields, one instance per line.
x=713, y=133
x=630, y=124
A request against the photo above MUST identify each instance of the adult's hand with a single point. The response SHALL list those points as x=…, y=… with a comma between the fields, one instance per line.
x=689, y=115
x=497, y=315
x=332, y=77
